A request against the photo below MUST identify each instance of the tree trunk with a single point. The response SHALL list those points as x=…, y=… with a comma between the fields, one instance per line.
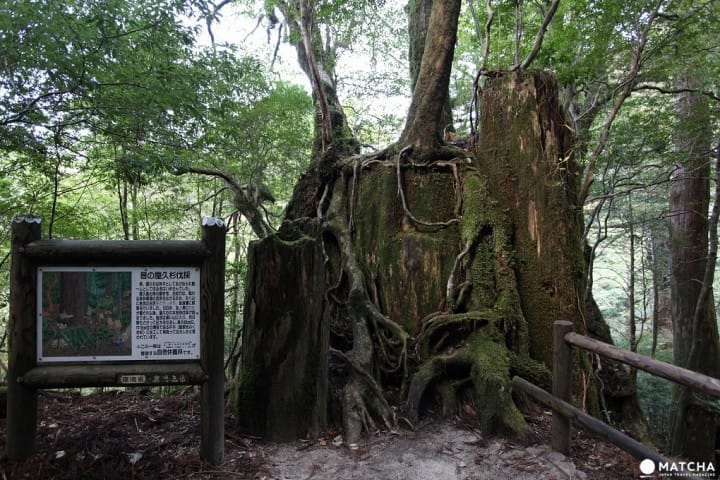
x=333, y=138
x=418, y=25
x=658, y=270
x=317, y=60
x=695, y=342
x=631, y=285
x=423, y=126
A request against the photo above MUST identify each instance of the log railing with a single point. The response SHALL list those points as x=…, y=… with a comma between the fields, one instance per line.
x=564, y=412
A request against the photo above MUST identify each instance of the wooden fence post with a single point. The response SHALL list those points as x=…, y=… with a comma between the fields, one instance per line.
x=561, y=386
x=212, y=331
x=21, y=400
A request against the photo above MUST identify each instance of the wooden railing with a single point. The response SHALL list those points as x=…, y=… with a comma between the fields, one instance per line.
x=564, y=413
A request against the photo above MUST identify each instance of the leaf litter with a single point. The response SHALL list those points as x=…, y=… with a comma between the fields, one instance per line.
x=138, y=434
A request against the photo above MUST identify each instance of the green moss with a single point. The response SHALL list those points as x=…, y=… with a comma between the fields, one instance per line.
x=486, y=320
x=484, y=365
x=491, y=379
x=491, y=264
x=477, y=206
x=531, y=370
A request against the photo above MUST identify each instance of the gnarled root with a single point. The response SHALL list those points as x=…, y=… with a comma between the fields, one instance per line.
x=362, y=398
x=482, y=364
x=440, y=331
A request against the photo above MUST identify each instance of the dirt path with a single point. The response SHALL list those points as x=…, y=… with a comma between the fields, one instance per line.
x=438, y=451
x=139, y=435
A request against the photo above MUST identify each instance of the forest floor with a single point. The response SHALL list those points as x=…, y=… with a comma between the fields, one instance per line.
x=141, y=435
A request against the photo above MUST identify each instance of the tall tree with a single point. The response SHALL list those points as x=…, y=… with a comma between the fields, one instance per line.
x=695, y=343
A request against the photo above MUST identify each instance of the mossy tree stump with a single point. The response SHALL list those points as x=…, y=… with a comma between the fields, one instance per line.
x=282, y=382
x=438, y=279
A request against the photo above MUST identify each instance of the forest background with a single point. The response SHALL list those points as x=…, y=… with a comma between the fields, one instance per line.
x=104, y=105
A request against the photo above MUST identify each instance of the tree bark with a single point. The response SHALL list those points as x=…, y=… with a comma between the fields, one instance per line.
x=282, y=387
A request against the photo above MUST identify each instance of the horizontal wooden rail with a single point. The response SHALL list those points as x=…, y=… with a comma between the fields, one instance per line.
x=564, y=412
x=78, y=376
x=116, y=251
x=630, y=445
x=703, y=383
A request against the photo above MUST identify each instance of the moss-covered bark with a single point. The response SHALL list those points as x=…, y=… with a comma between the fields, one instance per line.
x=406, y=265
x=525, y=149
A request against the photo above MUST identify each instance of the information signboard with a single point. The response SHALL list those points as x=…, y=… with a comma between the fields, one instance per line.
x=118, y=313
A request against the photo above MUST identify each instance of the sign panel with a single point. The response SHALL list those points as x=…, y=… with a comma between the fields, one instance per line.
x=118, y=313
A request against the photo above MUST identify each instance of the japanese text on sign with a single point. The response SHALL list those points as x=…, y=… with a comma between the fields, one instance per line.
x=118, y=313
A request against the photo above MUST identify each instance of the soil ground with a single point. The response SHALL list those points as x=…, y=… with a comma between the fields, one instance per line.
x=137, y=434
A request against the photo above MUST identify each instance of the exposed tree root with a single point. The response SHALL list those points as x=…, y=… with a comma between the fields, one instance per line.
x=362, y=396
x=453, y=289
x=482, y=364
x=437, y=333
x=472, y=354
x=401, y=192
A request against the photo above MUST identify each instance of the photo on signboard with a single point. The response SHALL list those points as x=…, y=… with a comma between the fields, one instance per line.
x=86, y=313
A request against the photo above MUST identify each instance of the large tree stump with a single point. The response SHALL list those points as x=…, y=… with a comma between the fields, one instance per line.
x=437, y=277
x=283, y=381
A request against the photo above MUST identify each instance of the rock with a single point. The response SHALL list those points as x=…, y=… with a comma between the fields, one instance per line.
x=567, y=468
x=555, y=457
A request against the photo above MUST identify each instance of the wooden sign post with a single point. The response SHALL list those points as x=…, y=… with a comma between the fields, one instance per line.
x=115, y=313
x=21, y=399
x=212, y=280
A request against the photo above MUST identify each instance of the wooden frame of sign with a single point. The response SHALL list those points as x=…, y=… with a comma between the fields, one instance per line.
x=142, y=313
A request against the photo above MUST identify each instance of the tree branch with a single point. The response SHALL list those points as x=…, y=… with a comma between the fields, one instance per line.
x=539, y=37
x=675, y=91
x=31, y=106
x=243, y=201
x=305, y=23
